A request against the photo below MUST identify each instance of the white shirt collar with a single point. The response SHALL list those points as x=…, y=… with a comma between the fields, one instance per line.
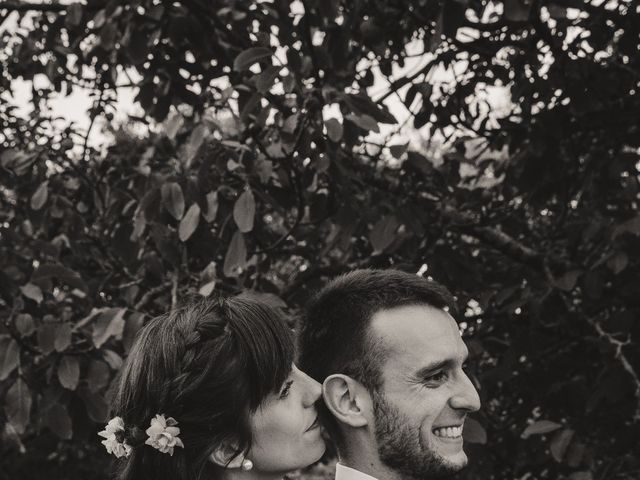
x=347, y=473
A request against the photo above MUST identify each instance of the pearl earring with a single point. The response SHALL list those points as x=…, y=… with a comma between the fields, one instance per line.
x=247, y=464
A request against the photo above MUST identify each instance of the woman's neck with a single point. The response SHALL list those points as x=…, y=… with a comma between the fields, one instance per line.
x=239, y=474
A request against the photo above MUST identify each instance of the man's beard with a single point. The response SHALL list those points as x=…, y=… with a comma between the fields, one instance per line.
x=400, y=445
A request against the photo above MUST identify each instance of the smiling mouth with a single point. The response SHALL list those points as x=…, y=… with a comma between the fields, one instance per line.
x=451, y=432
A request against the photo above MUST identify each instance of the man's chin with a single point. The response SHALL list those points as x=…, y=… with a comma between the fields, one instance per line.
x=452, y=463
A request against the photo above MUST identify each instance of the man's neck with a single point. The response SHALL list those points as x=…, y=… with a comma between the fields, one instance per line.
x=370, y=465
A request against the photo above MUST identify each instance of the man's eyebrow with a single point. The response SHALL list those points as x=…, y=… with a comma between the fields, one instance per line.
x=432, y=367
x=446, y=363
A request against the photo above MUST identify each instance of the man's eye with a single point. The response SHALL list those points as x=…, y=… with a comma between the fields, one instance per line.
x=285, y=390
x=436, y=377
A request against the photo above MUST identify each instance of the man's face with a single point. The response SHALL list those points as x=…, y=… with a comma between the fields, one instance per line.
x=425, y=394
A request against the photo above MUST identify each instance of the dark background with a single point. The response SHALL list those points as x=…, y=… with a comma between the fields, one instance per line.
x=231, y=180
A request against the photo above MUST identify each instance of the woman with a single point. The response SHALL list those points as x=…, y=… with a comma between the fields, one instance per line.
x=210, y=392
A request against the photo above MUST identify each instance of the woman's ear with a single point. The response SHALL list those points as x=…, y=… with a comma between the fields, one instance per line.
x=347, y=400
x=223, y=456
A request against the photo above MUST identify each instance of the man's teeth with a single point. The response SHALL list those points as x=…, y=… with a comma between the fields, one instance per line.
x=448, y=432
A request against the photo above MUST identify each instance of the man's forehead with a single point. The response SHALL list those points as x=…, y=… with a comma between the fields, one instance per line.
x=418, y=331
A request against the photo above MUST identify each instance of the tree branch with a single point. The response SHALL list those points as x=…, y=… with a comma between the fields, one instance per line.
x=32, y=7
x=619, y=355
x=401, y=82
x=150, y=294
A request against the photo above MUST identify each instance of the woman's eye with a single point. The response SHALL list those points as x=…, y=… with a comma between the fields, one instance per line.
x=285, y=390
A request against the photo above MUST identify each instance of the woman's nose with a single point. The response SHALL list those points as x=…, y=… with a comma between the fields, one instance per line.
x=313, y=391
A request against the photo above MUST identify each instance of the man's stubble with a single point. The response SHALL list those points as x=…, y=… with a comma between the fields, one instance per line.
x=400, y=445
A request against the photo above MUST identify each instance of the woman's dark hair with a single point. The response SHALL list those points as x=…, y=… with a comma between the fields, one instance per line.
x=208, y=365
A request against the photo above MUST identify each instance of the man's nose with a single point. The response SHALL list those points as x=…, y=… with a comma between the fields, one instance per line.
x=466, y=397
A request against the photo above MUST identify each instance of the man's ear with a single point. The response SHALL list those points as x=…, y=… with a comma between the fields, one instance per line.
x=223, y=456
x=347, y=400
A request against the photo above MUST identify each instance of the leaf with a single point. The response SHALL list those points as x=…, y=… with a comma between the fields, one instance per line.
x=575, y=454
x=97, y=407
x=25, y=324
x=334, y=129
x=99, y=19
x=206, y=289
x=362, y=104
x=32, y=292
x=585, y=475
x=57, y=419
x=557, y=12
x=436, y=37
x=39, y=198
x=62, y=273
x=618, y=262
x=270, y=299
x=47, y=337
x=172, y=125
x=63, y=337
x=244, y=211
x=630, y=226
x=247, y=58
x=139, y=224
x=291, y=123
x=567, y=281
x=422, y=117
x=474, y=432
x=194, y=143
x=189, y=222
x=173, y=200
x=112, y=358
x=235, y=260
x=264, y=169
x=69, y=372
x=18, y=405
x=109, y=323
x=364, y=121
x=264, y=80
x=212, y=206
x=517, y=10
x=398, y=150
x=383, y=233
x=540, y=428
x=133, y=324
x=560, y=443
x=17, y=160
x=74, y=14
x=98, y=375
x=411, y=94
x=9, y=356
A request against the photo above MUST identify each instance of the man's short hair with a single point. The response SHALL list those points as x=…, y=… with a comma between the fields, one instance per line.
x=334, y=332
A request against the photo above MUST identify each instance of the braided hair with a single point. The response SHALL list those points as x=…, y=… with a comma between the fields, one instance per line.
x=209, y=365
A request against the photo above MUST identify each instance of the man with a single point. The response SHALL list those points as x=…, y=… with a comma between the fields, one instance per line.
x=391, y=359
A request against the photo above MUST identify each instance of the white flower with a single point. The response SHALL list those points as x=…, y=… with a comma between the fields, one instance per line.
x=113, y=435
x=163, y=434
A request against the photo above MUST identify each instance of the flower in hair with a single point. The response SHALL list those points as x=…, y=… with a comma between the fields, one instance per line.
x=114, y=441
x=163, y=434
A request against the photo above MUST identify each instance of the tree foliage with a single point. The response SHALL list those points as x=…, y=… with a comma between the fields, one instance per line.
x=261, y=171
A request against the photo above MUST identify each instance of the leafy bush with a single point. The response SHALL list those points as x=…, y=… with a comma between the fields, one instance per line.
x=248, y=179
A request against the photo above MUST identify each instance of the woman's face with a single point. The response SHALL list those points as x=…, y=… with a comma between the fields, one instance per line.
x=286, y=433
